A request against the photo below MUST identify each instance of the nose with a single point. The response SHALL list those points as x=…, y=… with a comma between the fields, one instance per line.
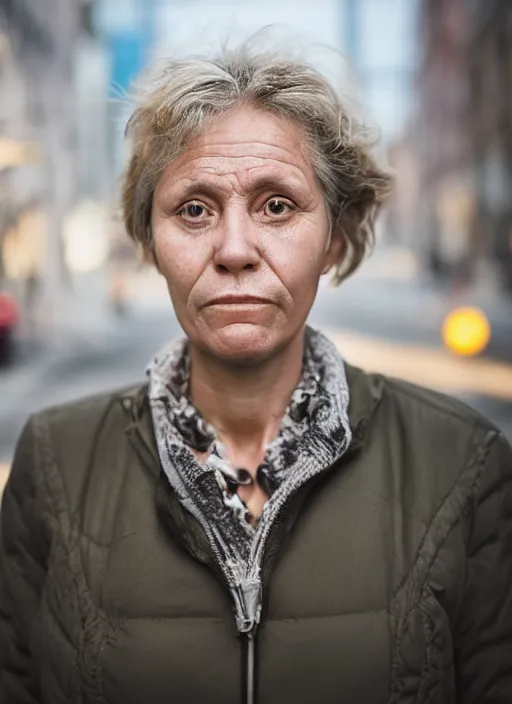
x=237, y=246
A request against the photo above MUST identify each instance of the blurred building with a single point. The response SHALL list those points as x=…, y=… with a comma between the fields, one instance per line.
x=20, y=168
x=490, y=128
x=401, y=214
x=442, y=138
x=42, y=38
x=384, y=65
x=92, y=70
x=125, y=30
x=459, y=141
x=65, y=69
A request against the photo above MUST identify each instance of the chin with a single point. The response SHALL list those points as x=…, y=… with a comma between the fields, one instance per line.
x=244, y=343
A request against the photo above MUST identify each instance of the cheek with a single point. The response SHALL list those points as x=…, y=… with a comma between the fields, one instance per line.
x=298, y=258
x=179, y=261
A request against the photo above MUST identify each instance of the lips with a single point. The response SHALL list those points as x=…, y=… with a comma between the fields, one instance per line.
x=237, y=300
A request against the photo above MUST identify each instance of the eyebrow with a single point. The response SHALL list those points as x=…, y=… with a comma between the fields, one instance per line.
x=205, y=188
x=195, y=188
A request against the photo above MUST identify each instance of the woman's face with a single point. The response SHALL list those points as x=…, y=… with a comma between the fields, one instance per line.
x=240, y=232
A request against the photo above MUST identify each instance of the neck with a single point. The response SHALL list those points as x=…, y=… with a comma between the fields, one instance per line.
x=246, y=403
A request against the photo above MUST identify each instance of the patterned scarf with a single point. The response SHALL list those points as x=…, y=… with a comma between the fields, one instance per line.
x=316, y=418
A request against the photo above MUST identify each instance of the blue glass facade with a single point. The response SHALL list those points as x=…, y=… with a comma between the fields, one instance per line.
x=128, y=30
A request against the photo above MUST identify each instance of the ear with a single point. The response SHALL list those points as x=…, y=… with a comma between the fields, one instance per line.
x=335, y=250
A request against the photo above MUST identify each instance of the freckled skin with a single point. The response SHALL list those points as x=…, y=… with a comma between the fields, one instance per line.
x=241, y=212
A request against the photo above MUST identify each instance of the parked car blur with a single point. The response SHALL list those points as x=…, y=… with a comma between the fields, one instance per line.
x=9, y=319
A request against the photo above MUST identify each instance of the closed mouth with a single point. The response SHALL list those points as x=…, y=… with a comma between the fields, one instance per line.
x=238, y=300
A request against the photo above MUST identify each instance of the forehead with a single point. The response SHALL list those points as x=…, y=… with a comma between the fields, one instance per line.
x=249, y=146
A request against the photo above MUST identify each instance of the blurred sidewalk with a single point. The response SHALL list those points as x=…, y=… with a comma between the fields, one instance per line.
x=393, y=300
x=84, y=322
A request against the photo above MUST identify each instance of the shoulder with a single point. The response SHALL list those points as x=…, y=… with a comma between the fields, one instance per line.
x=390, y=401
x=431, y=409
x=430, y=451
x=80, y=420
x=454, y=438
x=421, y=431
x=65, y=439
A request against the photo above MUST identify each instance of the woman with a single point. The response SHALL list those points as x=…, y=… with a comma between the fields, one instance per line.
x=260, y=521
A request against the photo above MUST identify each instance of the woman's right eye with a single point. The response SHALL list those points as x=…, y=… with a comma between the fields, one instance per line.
x=193, y=211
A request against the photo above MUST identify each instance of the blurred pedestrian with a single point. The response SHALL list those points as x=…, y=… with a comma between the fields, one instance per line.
x=9, y=319
x=32, y=300
x=504, y=248
x=118, y=291
x=260, y=521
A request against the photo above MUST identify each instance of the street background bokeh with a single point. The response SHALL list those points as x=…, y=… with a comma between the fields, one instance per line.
x=434, y=75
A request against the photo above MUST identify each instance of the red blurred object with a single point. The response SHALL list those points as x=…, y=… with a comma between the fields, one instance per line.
x=9, y=311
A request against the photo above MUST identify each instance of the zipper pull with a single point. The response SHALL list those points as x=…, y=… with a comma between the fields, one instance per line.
x=247, y=597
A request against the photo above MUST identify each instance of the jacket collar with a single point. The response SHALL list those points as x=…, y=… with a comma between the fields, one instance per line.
x=365, y=394
x=139, y=426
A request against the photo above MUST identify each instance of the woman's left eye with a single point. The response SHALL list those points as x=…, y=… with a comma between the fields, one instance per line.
x=277, y=206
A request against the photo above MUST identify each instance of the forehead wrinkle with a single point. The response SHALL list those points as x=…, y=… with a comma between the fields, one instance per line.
x=235, y=144
x=213, y=176
x=302, y=167
x=200, y=148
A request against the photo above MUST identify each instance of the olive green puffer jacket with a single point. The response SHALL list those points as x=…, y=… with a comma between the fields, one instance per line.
x=388, y=580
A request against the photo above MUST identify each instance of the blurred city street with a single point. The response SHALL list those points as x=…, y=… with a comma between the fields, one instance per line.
x=385, y=319
x=313, y=482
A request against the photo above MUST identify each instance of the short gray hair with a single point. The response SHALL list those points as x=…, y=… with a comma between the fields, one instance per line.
x=181, y=100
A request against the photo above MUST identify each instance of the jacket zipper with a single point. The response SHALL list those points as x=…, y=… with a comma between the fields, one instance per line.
x=245, y=596
x=246, y=603
x=250, y=664
x=250, y=668
x=247, y=599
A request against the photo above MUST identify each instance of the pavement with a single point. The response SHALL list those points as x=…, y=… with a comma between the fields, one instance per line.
x=411, y=308
x=384, y=320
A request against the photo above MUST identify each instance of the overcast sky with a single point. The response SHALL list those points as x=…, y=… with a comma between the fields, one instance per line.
x=194, y=24
x=386, y=39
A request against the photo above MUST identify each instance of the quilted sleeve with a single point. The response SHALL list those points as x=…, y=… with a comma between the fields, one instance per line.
x=483, y=634
x=22, y=571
